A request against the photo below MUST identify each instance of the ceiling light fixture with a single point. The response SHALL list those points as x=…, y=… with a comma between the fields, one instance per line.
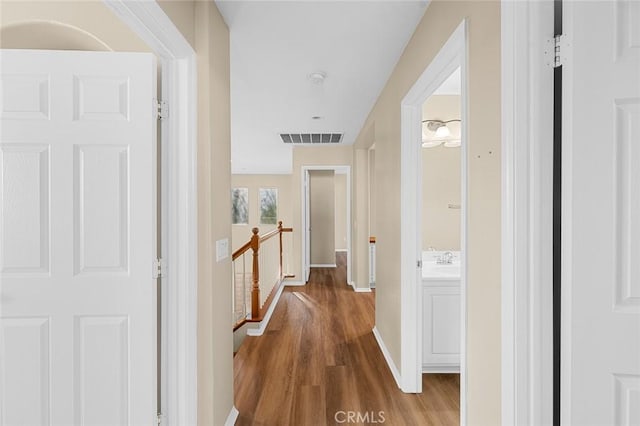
x=442, y=132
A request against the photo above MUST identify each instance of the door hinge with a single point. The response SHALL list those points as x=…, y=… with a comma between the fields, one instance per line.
x=162, y=110
x=556, y=51
x=159, y=267
x=159, y=418
x=419, y=263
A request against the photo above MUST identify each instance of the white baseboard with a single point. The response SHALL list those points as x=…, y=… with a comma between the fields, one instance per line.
x=294, y=283
x=323, y=265
x=258, y=331
x=440, y=368
x=341, y=250
x=387, y=357
x=232, y=417
x=359, y=289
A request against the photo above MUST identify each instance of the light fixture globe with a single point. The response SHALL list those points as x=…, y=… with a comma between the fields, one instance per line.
x=442, y=134
x=443, y=131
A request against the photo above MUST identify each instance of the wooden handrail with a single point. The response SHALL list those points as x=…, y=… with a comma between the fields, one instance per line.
x=236, y=254
x=254, y=244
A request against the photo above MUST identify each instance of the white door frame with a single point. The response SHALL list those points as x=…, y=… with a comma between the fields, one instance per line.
x=527, y=223
x=178, y=205
x=452, y=55
x=305, y=214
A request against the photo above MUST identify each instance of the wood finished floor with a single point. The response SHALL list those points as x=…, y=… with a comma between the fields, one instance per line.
x=318, y=357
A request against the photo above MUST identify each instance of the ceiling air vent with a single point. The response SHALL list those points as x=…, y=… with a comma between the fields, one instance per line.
x=311, y=138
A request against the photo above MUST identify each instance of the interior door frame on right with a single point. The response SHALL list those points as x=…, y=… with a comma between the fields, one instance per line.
x=527, y=31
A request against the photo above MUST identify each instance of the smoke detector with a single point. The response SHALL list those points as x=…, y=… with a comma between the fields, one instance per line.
x=317, y=77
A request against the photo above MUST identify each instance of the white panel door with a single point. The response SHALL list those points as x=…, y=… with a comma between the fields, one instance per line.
x=77, y=238
x=601, y=214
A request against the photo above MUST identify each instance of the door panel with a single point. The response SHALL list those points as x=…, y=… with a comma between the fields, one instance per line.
x=24, y=241
x=78, y=221
x=101, y=196
x=601, y=272
x=25, y=363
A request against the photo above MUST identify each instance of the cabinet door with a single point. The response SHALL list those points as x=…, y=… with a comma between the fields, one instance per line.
x=441, y=328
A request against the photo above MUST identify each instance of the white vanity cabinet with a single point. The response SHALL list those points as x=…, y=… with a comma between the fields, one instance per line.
x=441, y=325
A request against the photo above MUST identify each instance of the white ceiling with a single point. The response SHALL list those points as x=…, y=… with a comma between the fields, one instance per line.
x=275, y=45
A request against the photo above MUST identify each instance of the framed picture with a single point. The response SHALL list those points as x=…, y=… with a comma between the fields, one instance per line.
x=268, y=206
x=240, y=206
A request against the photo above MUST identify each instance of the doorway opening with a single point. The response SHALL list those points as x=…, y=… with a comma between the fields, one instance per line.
x=422, y=135
x=440, y=238
x=333, y=182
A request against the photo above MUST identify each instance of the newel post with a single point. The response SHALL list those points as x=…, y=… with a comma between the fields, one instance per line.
x=280, y=236
x=255, y=288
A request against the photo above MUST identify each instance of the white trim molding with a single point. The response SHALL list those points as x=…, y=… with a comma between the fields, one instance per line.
x=360, y=289
x=262, y=325
x=323, y=265
x=452, y=55
x=232, y=417
x=387, y=356
x=294, y=283
x=179, y=205
x=448, y=369
x=527, y=223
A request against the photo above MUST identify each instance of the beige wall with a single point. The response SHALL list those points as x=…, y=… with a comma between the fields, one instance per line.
x=78, y=25
x=483, y=343
x=89, y=25
x=362, y=211
x=372, y=191
x=310, y=156
x=341, y=211
x=215, y=336
x=242, y=233
x=360, y=222
x=322, y=216
x=441, y=184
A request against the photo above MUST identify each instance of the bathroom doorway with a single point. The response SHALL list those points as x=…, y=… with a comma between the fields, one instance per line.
x=440, y=179
x=417, y=138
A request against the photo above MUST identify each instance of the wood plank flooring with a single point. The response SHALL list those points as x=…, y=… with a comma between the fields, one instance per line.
x=319, y=364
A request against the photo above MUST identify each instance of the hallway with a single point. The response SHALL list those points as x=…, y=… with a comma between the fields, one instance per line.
x=318, y=362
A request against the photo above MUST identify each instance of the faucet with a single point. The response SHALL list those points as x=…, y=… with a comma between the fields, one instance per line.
x=446, y=258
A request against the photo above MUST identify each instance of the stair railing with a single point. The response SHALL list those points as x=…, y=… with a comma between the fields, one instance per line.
x=257, y=275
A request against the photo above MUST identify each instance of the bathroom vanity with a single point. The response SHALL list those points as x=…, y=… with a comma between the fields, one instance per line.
x=441, y=312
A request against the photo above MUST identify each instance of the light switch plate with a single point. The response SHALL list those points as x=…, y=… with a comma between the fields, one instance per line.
x=222, y=249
